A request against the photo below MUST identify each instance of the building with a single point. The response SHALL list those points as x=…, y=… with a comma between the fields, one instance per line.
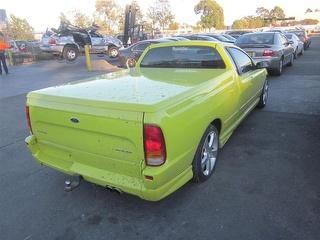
x=3, y=20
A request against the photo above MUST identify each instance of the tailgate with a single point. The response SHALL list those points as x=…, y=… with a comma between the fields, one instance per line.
x=84, y=136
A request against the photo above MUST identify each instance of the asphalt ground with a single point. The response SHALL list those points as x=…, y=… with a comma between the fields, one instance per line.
x=266, y=184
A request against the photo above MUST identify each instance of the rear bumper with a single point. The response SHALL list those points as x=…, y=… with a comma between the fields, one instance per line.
x=163, y=184
x=273, y=61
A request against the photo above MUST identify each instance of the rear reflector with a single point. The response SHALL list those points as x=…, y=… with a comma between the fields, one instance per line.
x=28, y=119
x=267, y=53
x=154, y=145
x=52, y=41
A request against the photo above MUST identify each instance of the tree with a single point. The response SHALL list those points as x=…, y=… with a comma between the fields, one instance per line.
x=174, y=26
x=20, y=29
x=248, y=22
x=108, y=16
x=263, y=12
x=81, y=20
x=63, y=17
x=211, y=14
x=160, y=14
x=277, y=12
x=239, y=24
x=309, y=10
x=309, y=21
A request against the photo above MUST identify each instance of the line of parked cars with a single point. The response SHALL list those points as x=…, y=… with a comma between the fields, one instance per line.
x=276, y=47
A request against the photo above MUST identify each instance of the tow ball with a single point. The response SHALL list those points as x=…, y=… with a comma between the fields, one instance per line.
x=72, y=183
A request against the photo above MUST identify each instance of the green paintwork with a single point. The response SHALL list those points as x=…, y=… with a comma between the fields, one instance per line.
x=106, y=146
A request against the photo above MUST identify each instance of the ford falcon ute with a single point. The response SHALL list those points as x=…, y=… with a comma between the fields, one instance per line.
x=148, y=131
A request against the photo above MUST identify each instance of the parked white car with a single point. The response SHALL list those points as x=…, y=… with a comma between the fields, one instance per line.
x=297, y=44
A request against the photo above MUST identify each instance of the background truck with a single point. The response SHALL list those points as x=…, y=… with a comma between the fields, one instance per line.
x=68, y=41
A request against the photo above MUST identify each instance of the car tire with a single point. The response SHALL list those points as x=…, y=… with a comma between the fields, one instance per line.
x=131, y=62
x=296, y=53
x=278, y=71
x=206, y=156
x=70, y=53
x=290, y=64
x=113, y=52
x=302, y=52
x=264, y=95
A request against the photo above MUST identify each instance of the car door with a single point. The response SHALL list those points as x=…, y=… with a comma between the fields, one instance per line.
x=251, y=80
x=287, y=48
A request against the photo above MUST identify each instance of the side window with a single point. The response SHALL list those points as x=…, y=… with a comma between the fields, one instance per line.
x=140, y=47
x=241, y=60
x=284, y=40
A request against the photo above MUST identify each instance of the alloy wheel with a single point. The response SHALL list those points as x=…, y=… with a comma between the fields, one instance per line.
x=209, y=153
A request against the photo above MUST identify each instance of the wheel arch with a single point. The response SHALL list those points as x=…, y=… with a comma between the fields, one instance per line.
x=71, y=45
x=217, y=123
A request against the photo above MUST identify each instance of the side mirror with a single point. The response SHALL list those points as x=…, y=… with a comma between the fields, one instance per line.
x=262, y=64
x=291, y=42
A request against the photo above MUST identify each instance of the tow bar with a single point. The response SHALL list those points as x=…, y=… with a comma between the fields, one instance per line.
x=72, y=183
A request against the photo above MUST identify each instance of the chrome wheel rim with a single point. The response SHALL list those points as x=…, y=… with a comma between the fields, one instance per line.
x=71, y=54
x=280, y=66
x=131, y=63
x=265, y=93
x=209, y=153
x=114, y=53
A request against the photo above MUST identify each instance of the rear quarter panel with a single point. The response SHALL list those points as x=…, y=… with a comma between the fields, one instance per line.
x=184, y=122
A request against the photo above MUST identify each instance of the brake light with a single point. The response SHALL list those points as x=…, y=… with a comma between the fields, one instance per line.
x=52, y=41
x=267, y=53
x=154, y=145
x=28, y=118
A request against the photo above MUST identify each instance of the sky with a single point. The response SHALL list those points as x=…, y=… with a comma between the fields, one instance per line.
x=45, y=13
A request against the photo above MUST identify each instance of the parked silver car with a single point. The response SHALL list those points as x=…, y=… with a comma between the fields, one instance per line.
x=68, y=41
x=297, y=44
x=273, y=47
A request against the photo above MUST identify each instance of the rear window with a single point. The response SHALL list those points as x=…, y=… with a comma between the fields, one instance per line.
x=183, y=57
x=265, y=38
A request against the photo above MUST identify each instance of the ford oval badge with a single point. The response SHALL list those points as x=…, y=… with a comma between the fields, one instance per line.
x=74, y=120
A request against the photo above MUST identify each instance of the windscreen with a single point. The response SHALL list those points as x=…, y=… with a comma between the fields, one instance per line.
x=263, y=38
x=183, y=57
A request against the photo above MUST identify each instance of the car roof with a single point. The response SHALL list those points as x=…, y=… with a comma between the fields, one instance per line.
x=254, y=33
x=191, y=43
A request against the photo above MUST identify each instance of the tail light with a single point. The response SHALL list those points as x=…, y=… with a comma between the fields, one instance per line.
x=268, y=53
x=154, y=145
x=52, y=41
x=28, y=118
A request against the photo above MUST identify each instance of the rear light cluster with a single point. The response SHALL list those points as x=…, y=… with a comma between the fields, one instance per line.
x=28, y=118
x=52, y=41
x=154, y=145
x=268, y=53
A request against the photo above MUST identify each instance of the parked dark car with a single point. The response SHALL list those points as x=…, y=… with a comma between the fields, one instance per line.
x=229, y=37
x=276, y=30
x=175, y=39
x=237, y=33
x=272, y=47
x=220, y=37
x=303, y=36
x=129, y=56
x=200, y=37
